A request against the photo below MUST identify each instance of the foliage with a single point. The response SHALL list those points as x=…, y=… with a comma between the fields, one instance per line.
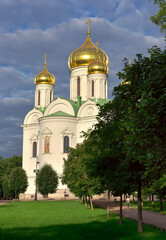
x=6, y=188
x=18, y=181
x=160, y=18
x=142, y=98
x=143, y=101
x=75, y=174
x=6, y=165
x=47, y=180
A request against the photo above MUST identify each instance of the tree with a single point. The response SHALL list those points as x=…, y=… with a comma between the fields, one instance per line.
x=18, y=182
x=159, y=188
x=6, y=188
x=142, y=98
x=6, y=165
x=47, y=180
x=76, y=177
x=160, y=18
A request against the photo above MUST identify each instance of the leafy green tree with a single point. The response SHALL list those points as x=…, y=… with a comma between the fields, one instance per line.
x=142, y=98
x=159, y=188
x=160, y=18
x=6, y=188
x=47, y=180
x=103, y=149
x=18, y=182
x=75, y=175
x=6, y=165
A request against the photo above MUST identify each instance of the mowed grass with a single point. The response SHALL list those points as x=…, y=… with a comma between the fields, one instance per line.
x=147, y=205
x=66, y=220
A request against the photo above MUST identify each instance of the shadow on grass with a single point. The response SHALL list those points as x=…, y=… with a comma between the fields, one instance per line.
x=94, y=230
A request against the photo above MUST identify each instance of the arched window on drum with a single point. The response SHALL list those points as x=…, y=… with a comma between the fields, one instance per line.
x=78, y=86
x=93, y=88
x=34, y=154
x=66, y=144
x=46, y=144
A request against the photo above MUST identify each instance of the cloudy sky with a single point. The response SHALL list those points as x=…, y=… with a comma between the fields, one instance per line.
x=31, y=28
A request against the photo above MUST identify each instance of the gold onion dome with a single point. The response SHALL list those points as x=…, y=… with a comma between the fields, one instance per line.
x=86, y=54
x=45, y=76
x=97, y=66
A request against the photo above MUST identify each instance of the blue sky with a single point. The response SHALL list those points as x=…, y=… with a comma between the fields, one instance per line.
x=30, y=28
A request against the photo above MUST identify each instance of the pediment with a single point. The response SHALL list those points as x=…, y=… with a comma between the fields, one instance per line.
x=34, y=137
x=67, y=131
x=46, y=131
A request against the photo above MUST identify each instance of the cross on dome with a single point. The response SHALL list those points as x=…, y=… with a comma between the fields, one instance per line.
x=88, y=22
x=45, y=63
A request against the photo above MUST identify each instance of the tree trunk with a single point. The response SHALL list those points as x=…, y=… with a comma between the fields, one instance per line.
x=120, y=220
x=91, y=203
x=161, y=203
x=85, y=201
x=133, y=198
x=108, y=204
x=15, y=195
x=152, y=201
x=124, y=198
x=82, y=200
x=149, y=197
x=140, y=230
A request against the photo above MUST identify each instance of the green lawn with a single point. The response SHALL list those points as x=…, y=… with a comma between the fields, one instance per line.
x=147, y=205
x=65, y=220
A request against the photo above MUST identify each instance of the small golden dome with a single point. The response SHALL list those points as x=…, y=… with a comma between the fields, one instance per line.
x=97, y=66
x=86, y=54
x=45, y=76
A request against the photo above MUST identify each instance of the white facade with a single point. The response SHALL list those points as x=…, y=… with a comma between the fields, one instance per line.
x=52, y=120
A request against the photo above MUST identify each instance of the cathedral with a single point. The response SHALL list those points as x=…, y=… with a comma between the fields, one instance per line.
x=54, y=125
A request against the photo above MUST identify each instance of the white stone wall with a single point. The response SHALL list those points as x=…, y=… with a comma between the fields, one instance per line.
x=56, y=128
x=100, y=85
x=45, y=90
x=82, y=73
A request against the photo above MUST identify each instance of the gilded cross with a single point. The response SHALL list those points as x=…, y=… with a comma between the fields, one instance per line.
x=130, y=62
x=88, y=22
x=45, y=63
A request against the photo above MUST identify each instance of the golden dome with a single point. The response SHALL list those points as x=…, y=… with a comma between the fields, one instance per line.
x=45, y=76
x=97, y=66
x=86, y=54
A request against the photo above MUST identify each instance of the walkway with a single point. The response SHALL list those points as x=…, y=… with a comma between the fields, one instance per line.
x=4, y=202
x=149, y=218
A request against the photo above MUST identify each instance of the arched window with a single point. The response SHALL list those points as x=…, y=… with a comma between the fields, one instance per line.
x=50, y=96
x=34, y=149
x=66, y=144
x=38, y=98
x=93, y=86
x=46, y=144
x=78, y=86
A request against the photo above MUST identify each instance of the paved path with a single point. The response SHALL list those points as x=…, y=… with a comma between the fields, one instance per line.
x=149, y=218
x=4, y=202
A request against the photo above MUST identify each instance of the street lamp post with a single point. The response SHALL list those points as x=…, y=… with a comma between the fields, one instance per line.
x=36, y=171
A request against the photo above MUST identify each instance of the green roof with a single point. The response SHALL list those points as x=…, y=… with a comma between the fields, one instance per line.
x=75, y=104
x=100, y=101
x=60, y=114
x=41, y=109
